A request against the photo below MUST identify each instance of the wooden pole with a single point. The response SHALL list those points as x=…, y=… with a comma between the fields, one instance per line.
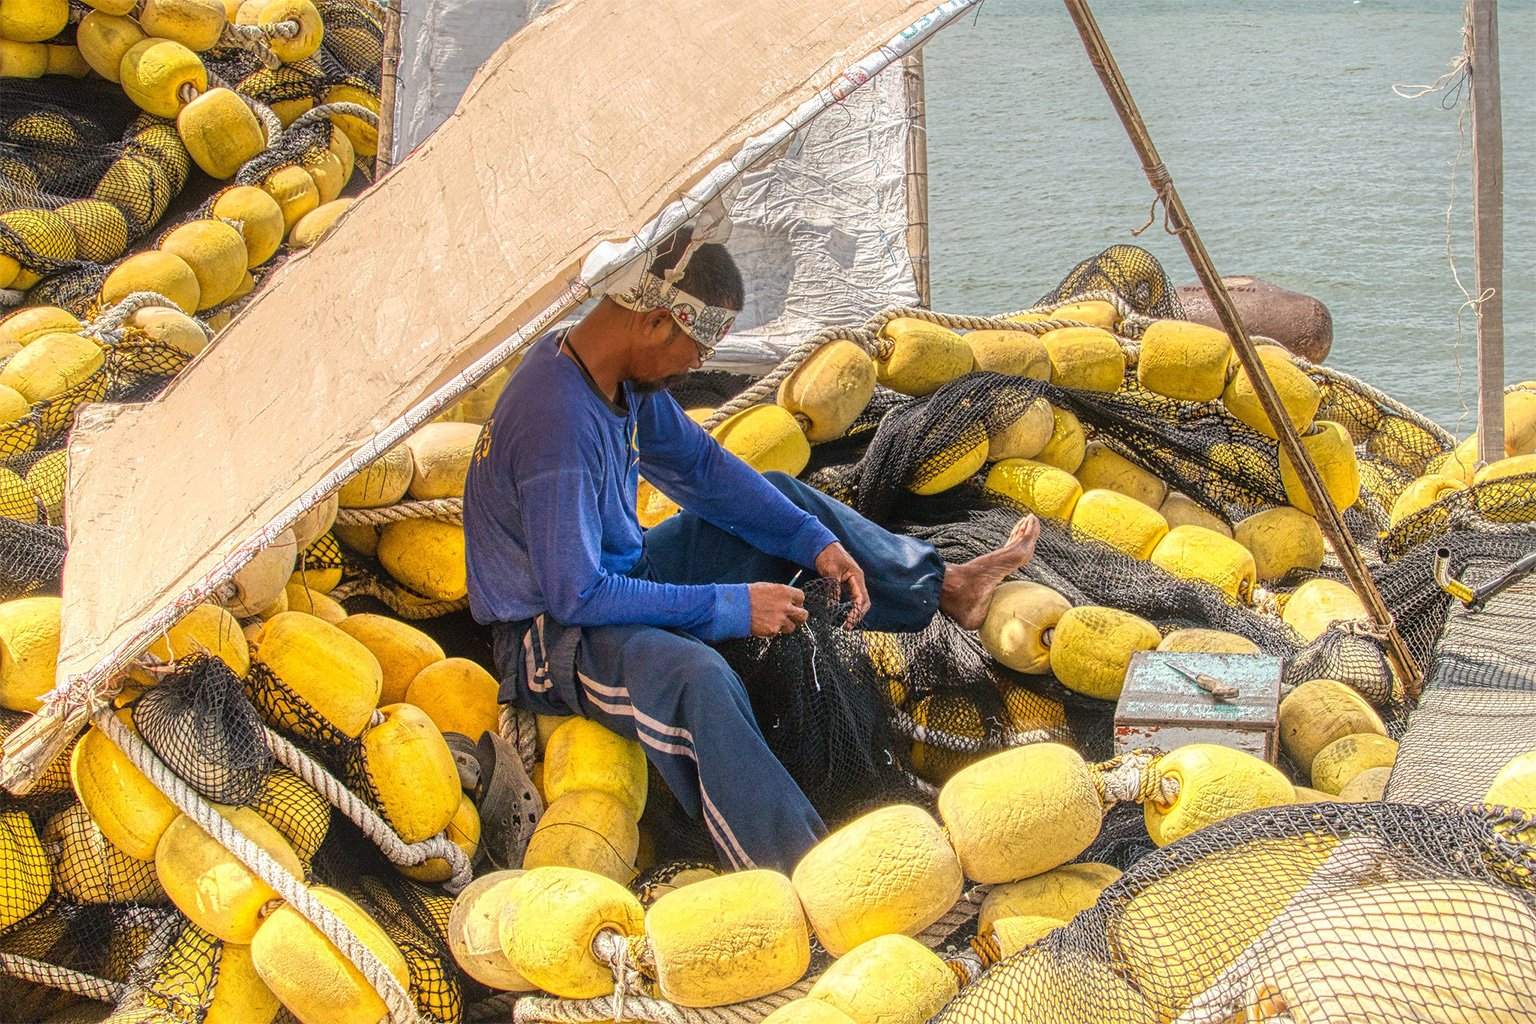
x=389, y=84
x=1488, y=221
x=1329, y=517
x=917, y=175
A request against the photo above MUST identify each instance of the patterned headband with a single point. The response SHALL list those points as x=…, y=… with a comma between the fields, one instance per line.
x=702, y=322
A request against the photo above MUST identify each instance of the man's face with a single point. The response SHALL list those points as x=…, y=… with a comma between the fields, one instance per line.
x=667, y=357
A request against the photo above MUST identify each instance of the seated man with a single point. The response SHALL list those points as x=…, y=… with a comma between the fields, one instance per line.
x=592, y=617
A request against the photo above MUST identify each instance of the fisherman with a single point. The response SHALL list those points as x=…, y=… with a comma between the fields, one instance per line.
x=592, y=617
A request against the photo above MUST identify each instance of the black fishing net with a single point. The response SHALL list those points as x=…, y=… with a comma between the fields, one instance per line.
x=833, y=734
x=83, y=176
x=1504, y=506
x=199, y=723
x=87, y=939
x=1313, y=912
x=1130, y=272
x=416, y=918
x=284, y=709
x=182, y=983
x=31, y=558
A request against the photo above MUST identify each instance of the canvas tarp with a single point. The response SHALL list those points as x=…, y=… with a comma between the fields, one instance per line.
x=582, y=127
x=820, y=232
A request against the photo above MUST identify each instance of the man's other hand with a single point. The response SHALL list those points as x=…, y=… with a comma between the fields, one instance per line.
x=776, y=608
x=836, y=564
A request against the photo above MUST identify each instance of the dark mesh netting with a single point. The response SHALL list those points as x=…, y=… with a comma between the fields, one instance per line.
x=199, y=723
x=182, y=983
x=93, y=940
x=281, y=707
x=416, y=918
x=1196, y=449
x=1506, y=505
x=83, y=175
x=1127, y=270
x=1385, y=913
x=821, y=709
x=1461, y=737
x=31, y=558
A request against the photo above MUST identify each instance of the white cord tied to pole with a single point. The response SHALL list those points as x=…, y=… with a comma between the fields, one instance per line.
x=402, y=1010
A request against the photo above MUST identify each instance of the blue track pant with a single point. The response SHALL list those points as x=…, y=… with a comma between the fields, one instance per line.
x=690, y=712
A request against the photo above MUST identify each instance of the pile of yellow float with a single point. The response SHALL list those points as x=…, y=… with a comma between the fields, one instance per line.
x=53, y=362
x=1461, y=468
x=154, y=49
x=374, y=690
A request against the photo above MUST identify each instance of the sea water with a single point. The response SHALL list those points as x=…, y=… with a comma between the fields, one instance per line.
x=1296, y=160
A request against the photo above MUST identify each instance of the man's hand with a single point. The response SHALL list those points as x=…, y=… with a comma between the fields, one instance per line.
x=776, y=609
x=836, y=564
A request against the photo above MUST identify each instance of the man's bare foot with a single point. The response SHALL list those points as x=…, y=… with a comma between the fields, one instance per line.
x=967, y=590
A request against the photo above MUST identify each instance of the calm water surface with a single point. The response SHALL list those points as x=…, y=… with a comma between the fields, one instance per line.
x=1295, y=158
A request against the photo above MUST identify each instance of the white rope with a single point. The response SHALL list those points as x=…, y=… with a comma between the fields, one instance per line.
x=108, y=325
x=521, y=729
x=448, y=510
x=253, y=38
x=325, y=110
x=191, y=803
x=366, y=818
x=81, y=984
x=1125, y=779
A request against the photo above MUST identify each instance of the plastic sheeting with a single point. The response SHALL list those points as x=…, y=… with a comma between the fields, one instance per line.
x=567, y=138
x=820, y=233
x=443, y=43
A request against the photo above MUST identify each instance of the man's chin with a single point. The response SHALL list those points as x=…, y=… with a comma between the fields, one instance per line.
x=651, y=387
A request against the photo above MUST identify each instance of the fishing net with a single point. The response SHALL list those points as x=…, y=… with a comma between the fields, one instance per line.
x=86, y=176
x=89, y=940
x=416, y=918
x=1314, y=912
x=198, y=722
x=1495, y=506
x=1128, y=271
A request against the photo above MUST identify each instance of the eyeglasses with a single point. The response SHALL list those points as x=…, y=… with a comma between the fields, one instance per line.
x=706, y=352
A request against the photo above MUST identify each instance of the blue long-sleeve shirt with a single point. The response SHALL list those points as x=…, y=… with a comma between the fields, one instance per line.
x=549, y=505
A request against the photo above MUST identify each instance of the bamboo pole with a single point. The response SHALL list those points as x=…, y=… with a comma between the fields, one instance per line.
x=389, y=84
x=1329, y=518
x=917, y=176
x=1488, y=221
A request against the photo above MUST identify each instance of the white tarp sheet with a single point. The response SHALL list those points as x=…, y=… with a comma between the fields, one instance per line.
x=572, y=135
x=820, y=233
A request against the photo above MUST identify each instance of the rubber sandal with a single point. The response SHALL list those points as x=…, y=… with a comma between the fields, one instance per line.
x=508, y=803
